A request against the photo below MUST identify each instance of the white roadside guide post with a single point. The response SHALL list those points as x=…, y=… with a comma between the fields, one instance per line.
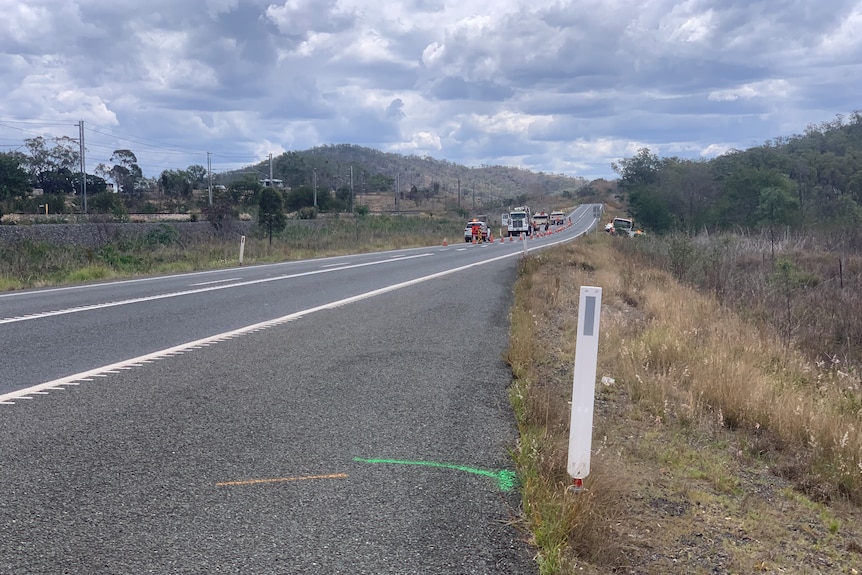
x=241, y=248
x=584, y=386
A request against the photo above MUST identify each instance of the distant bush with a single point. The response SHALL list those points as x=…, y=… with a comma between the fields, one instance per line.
x=308, y=213
x=163, y=235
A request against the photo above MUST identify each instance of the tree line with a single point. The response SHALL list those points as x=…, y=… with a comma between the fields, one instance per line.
x=311, y=182
x=810, y=180
x=52, y=166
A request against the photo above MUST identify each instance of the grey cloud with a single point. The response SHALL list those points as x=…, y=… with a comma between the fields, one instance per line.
x=299, y=18
x=395, y=109
x=670, y=74
x=450, y=88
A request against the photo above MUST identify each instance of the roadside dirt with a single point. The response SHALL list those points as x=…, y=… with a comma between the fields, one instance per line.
x=670, y=493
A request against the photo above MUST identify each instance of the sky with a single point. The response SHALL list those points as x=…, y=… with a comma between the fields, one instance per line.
x=562, y=87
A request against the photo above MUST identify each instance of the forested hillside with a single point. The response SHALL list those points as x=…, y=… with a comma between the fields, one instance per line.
x=330, y=178
x=812, y=180
x=376, y=171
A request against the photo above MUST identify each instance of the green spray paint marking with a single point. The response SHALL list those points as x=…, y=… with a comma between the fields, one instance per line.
x=505, y=478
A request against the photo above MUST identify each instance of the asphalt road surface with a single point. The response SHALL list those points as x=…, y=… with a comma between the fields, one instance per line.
x=345, y=415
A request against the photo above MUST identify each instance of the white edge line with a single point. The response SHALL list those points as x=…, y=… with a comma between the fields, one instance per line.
x=201, y=289
x=232, y=269
x=183, y=347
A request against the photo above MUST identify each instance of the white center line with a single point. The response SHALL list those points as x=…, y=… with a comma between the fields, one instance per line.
x=215, y=282
x=117, y=367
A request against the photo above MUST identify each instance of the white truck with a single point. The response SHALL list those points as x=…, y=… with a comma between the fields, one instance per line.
x=541, y=221
x=520, y=222
x=477, y=229
x=558, y=218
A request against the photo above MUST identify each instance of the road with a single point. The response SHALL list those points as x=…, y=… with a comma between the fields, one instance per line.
x=341, y=415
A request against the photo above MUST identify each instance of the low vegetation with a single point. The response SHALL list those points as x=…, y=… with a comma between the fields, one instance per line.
x=727, y=426
x=25, y=264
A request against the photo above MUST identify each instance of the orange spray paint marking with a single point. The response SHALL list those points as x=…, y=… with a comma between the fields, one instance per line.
x=281, y=479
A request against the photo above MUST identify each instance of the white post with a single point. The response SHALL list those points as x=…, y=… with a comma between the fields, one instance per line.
x=584, y=385
x=241, y=248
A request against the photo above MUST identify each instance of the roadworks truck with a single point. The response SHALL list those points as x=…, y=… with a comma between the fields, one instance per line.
x=623, y=227
x=541, y=220
x=477, y=230
x=520, y=222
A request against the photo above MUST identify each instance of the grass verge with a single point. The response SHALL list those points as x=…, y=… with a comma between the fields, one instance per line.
x=716, y=447
x=27, y=264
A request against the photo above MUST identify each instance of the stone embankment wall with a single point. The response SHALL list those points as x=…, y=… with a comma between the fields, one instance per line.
x=94, y=235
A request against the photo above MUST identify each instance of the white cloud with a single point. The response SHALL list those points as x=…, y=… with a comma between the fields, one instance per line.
x=556, y=85
x=774, y=89
x=418, y=143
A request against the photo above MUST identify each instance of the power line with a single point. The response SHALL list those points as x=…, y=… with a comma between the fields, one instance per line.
x=152, y=156
x=158, y=145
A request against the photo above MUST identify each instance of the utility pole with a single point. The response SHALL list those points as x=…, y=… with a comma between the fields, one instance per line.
x=314, y=185
x=352, y=197
x=271, y=183
x=210, y=173
x=397, y=186
x=83, y=163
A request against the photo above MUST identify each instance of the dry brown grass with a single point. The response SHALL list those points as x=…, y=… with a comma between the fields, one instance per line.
x=716, y=447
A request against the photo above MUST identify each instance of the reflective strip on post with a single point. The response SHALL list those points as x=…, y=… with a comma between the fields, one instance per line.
x=584, y=383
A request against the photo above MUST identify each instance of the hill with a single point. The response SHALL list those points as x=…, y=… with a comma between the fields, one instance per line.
x=376, y=172
x=811, y=180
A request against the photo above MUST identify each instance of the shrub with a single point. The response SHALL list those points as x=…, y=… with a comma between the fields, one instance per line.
x=308, y=213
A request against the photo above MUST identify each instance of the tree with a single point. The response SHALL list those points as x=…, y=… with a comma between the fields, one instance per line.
x=51, y=166
x=299, y=197
x=58, y=182
x=125, y=172
x=176, y=184
x=776, y=205
x=639, y=185
x=246, y=191
x=14, y=181
x=197, y=173
x=690, y=192
x=221, y=213
x=270, y=212
x=95, y=184
x=415, y=195
x=639, y=172
x=106, y=203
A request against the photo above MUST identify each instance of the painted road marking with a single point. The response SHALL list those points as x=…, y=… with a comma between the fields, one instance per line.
x=101, y=371
x=196, y=291
x=215, y=282
x=280, y=479
x=505, y=478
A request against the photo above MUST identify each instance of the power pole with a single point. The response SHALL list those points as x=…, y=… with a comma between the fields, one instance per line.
x=83, y=163
x=352, y=198
x=271, y=183
x=314, y=185
x=210, y=173
x=397, y=186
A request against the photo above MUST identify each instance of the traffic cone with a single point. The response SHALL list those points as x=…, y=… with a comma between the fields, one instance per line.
x=445, y=242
